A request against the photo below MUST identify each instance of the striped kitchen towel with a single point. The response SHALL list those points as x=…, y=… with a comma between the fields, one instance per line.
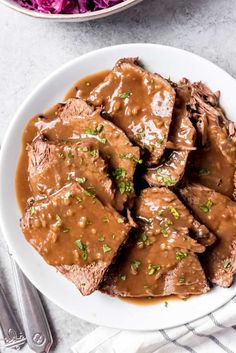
x=214, y=333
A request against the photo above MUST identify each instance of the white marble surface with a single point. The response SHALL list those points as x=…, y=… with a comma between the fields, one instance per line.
x=31, y=49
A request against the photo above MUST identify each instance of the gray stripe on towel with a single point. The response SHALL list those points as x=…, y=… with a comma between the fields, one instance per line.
x=167, y=338
x=211, y=337
x=217, y=323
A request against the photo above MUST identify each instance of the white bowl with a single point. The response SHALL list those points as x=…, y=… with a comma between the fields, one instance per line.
x=74, y=17
x=100, y=308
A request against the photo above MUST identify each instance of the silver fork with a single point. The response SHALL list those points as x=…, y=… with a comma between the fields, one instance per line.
x=37, y=330
x=13, y=336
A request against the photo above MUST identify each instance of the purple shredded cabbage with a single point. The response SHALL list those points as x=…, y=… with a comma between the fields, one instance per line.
x=67, y=6
x=104, y=4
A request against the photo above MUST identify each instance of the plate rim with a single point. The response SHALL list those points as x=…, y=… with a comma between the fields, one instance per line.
x=11, y=128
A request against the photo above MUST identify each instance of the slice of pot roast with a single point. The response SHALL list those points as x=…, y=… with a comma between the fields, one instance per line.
x=51, y=166
x=218, y=213
x=161, y=258
x=138, y=102
x=112, y=143
x=181, y=142
x=76, y=233
x=213, y=163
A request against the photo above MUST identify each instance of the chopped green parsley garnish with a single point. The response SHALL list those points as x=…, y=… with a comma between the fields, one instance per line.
x=142, y=133
x=135, y=265
x=80, y=245
x=180, y=255
x=90, y=193
x=125, y=187
x=143, y=236
x=166, y=180
x=66, y=230
x=164, y=231
x=206, y=207
x=85, y=255
x=96, y=131
x=78, y=199
x=182, y=280
x=152, y=269
x=174, y=212
x=160, y=141
x=83, y=149
x=131, y=157
x=146, y=286
x=106, y=220
x=101, y=238
x=119, y=173
x=121, y=220
x=106, y=248
x=80, y=180
x=32, y=210
x=166, y=304
x=203, y=172
x=125, y=95
x=94, y=153
x=58, y=219
x=99, y=128
x=83, y=248
x=123, y=277
x=70, y=155
x=103, y=140
x=227, y=264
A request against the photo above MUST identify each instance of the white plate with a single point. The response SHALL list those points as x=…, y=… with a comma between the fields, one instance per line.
x=99, y=308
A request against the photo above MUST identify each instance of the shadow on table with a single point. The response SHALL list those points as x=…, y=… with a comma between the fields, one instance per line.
x=149, y=12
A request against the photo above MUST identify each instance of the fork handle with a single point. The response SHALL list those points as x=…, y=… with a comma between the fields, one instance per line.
x=12, y=333
x=37, y=330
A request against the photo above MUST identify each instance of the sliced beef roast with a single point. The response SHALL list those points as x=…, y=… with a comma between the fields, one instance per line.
x=161, y=259
x=73, y=108
x=172, y=213
x=138, y=102
x=218, y=213
x=51, y=166
x=103, y=135
x=73, y=231
x=213, y=163
x=181, y=139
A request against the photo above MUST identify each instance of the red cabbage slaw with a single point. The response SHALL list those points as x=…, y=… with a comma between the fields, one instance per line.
x=67, y=6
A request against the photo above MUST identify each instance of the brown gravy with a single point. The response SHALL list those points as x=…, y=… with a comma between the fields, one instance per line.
x=139, y=103
x=82, y=89
x=85, y=85
x=151, y=300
